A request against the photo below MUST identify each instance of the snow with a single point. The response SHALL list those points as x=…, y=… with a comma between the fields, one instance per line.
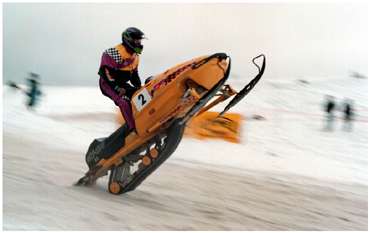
x=289, y=142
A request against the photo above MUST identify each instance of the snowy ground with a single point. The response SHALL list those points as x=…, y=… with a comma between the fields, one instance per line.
x=287, y=174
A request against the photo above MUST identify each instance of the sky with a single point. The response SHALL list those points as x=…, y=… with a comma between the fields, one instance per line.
x=63, y=42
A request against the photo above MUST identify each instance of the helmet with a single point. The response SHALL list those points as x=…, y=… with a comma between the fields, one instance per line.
x=131, y=38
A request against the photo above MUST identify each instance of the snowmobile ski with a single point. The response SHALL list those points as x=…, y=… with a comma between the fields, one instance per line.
x=241, y=94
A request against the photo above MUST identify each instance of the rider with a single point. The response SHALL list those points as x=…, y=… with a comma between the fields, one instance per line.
x=118, y=66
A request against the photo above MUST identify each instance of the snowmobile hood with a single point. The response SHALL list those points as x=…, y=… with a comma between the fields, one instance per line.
x=162, y=96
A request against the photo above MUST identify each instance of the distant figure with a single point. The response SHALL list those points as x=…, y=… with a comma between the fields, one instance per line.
x=33, y=91
x=348, y=114
x=329, y=107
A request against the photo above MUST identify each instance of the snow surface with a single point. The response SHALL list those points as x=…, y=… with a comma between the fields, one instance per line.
x=290, y=141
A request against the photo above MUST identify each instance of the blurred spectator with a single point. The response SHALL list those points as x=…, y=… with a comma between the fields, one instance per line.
x=33, y=91
x=329, y=107
x=348, y=114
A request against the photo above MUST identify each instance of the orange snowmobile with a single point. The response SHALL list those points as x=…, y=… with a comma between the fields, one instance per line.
x=161, y=109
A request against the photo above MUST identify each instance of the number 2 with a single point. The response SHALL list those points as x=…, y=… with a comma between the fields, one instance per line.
x=142, y=99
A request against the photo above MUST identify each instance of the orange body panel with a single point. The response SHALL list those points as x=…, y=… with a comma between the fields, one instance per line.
x=209, y=125
x=167, y=89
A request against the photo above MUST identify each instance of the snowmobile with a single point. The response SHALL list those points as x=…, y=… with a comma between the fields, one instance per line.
x=161, y=109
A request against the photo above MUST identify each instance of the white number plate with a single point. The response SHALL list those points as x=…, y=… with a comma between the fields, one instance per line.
x=142, y=99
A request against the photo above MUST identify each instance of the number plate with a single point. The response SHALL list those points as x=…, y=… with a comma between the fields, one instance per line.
x=141, y=99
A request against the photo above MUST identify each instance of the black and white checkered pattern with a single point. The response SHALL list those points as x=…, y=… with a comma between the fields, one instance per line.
x=113, y=52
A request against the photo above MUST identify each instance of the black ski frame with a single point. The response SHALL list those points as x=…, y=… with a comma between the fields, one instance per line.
x=241, y=94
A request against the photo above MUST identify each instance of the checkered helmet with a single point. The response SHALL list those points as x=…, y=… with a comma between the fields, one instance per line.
x=131, y=38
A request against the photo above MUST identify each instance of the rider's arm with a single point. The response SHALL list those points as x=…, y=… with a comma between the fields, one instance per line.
x=135, y=79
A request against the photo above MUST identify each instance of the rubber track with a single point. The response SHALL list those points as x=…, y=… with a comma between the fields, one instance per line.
x=174, y=137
